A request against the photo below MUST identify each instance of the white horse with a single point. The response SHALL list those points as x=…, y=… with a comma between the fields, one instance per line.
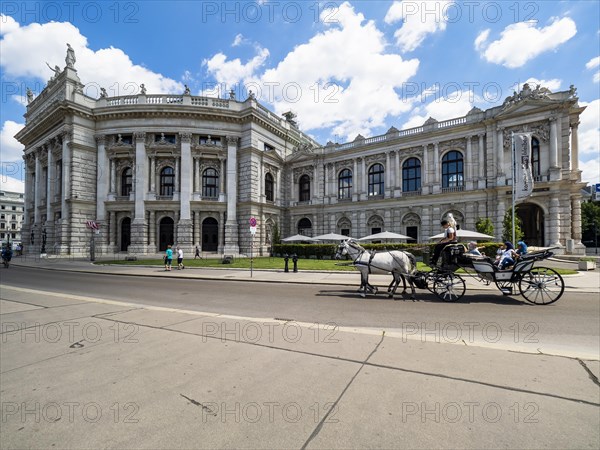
x=401, y=265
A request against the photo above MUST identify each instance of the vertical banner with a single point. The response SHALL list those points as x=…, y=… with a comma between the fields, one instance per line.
x=523, y=177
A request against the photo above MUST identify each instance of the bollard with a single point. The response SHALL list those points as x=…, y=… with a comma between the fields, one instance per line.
x=295, y=260
x=285, y=258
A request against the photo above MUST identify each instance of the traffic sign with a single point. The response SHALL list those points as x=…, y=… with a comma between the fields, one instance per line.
x=253, y=230
x=253, y=222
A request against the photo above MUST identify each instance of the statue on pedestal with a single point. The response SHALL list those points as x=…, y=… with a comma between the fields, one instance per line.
x=70, y=58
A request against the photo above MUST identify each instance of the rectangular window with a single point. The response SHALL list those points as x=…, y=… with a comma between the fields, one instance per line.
x=14, y=208
x=2, y=235
x=13, y=226
x=2, y=225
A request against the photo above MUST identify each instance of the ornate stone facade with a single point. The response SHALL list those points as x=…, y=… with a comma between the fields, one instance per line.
x=153, y=170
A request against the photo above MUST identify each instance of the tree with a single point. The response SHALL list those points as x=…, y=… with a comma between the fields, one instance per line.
x=507, y=227
x=485, y=226
x=590, y=222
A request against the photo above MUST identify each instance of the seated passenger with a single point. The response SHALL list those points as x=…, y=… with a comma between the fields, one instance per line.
x=508, y=256
x=521, y=248
x=473, y=250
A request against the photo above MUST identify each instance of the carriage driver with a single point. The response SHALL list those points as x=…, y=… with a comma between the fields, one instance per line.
x=449, y=238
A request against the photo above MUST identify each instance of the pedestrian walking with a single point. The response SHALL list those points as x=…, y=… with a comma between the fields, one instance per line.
x=180, y=265
x=197, y=255
x=168, y=258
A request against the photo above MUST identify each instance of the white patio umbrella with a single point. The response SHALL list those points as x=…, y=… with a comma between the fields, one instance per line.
x=332, y=237
x=385, y=236
x=466, y=234
x=299, y=238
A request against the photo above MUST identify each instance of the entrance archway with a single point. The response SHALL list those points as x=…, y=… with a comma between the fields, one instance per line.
x=125, y=233
x=210, y=235
x=532, y=219
x=166, y=229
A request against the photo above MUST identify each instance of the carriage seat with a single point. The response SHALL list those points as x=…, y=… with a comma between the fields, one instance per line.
x=451, y=253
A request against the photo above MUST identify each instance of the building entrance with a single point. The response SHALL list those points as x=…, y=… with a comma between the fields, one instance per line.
x=165, y=233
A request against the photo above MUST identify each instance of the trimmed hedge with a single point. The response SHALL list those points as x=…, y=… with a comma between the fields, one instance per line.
x=328, y=250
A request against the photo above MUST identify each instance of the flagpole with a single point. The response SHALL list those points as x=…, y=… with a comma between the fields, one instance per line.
x=514, y=184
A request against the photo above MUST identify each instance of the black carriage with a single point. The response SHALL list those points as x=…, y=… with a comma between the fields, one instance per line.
x=538, y=285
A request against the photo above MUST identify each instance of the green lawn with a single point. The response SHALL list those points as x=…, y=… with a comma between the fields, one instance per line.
x=271, y=263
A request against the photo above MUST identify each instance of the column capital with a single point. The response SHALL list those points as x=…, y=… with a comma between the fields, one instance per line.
x=232, y=140
x=100, y=139
x=574, y=124
x=185, y=137
x=139, y=135
x=480, y=135
x=67, y=132
x=500, y=128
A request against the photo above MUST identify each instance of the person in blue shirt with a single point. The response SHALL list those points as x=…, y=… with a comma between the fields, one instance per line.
x=521, y=248
x=168, y=258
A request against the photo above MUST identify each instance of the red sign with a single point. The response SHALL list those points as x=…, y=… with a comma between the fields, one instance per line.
x=252, y=222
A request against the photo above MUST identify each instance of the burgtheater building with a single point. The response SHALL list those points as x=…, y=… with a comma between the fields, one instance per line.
x=157, y=169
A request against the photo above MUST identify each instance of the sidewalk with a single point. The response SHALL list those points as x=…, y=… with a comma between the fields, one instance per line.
x=584, y=282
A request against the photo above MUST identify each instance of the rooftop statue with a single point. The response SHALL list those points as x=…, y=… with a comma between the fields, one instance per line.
x=29, y=96
x=70, y=58
x=56, y=71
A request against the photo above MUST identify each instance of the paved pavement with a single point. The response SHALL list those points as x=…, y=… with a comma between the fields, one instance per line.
x=80, y=372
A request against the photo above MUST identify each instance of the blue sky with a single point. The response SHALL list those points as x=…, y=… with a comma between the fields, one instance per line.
x=343, y=67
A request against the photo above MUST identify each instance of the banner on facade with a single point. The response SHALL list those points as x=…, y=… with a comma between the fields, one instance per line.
x=523, y=177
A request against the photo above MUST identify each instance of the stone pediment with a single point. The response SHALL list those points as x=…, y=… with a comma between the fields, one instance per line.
x=524, y=107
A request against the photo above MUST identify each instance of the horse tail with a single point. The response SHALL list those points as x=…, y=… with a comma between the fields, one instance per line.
x=413, y=262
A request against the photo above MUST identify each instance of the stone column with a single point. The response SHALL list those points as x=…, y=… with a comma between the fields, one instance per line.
x=554, y=164
x=364, y=189
x=387, y=187
x=197, y=186
x=554, y=223
x=397, y=183
x=469, y=166
x=222, y=191
x=317, y=191
x=139, y=227
x=481, y=161
x=50, y=185
x=197, y=237
x=112, y=230
x=231, y=226
x=500, y=152
x=278, y=192
x=66, y=191
x=574, y=146
x=437, y=183
x=113, y=178
x=152, y=228
x=38, y=188
x=355, y=178
x=102, y=179
x=184, y=227
x=177, y=182
x=576, y=225
x=425, y=165
x=153, y=175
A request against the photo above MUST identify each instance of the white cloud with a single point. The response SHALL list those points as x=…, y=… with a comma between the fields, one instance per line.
x=12, y=150
x=11, y=184
x=523, y=41
x=592, y=64
x=590, y=171
x=239, y=38
x=419, y=20
x=456, y=104
x=481, y=39
x=589, y=129
x=26, y=49
x=233, y=71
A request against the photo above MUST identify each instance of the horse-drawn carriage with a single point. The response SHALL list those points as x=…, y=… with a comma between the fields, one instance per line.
x=538, y=285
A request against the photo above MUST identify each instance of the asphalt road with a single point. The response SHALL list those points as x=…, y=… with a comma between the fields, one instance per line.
x=569, y=327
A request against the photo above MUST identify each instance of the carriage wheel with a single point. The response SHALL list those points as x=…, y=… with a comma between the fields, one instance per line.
x=449, y=287
x=541, y=286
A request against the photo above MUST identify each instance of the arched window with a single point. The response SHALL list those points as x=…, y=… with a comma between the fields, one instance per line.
x=304, y=188
x=126, y=181
x=411, y=175
x=167, y=181
x=345, y=184
x=210, y=183
x=452, y=170
x=535, y=157
x=376, y=179
x=305, y=227
x=269, y=191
